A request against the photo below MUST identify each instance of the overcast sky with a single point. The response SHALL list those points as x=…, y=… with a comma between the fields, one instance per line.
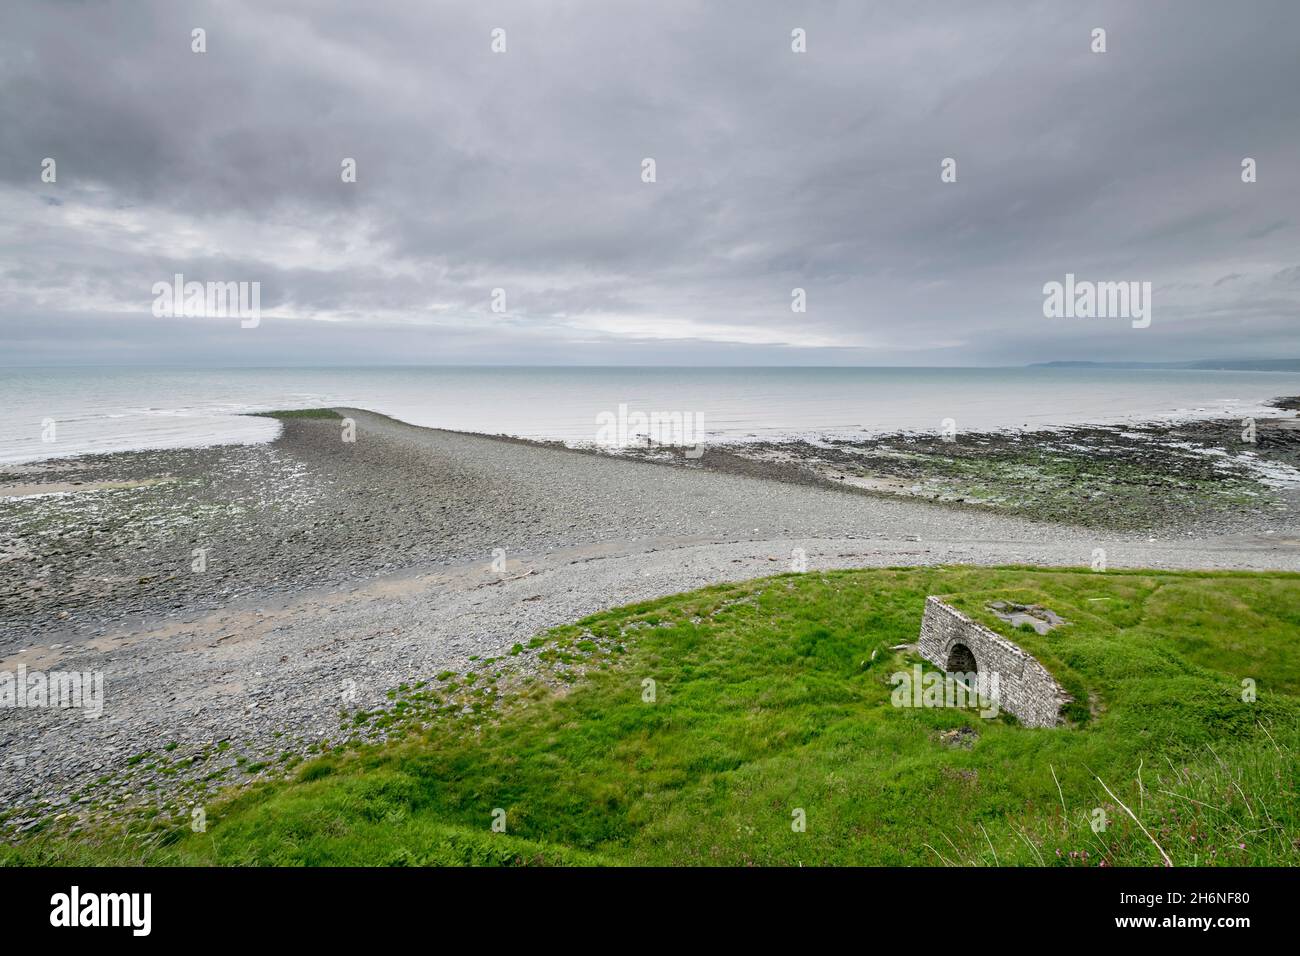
x=522, y=170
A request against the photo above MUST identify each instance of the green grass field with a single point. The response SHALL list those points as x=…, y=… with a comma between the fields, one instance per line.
x=772, y=698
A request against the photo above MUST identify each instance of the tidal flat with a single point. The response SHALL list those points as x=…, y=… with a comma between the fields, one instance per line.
x=1199, y=477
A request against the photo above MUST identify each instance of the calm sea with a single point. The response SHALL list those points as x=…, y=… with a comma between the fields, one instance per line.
x=113, y=409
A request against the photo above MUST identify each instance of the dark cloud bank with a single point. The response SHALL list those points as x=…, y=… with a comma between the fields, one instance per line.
x=522, y=171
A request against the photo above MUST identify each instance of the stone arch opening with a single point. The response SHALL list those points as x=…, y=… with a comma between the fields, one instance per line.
x=1004, y=671
x=961, y=660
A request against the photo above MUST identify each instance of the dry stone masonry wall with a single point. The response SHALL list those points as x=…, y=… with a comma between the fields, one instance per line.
x=1025, y=687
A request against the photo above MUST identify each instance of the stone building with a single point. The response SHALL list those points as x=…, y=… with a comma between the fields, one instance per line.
x=951, y=640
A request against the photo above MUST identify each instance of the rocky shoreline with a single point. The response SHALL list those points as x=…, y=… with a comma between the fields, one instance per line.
x=118, y=536
x=1197, y=477
x=352, y=588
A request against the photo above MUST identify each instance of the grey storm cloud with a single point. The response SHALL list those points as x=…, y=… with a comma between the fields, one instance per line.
x=522, y=171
